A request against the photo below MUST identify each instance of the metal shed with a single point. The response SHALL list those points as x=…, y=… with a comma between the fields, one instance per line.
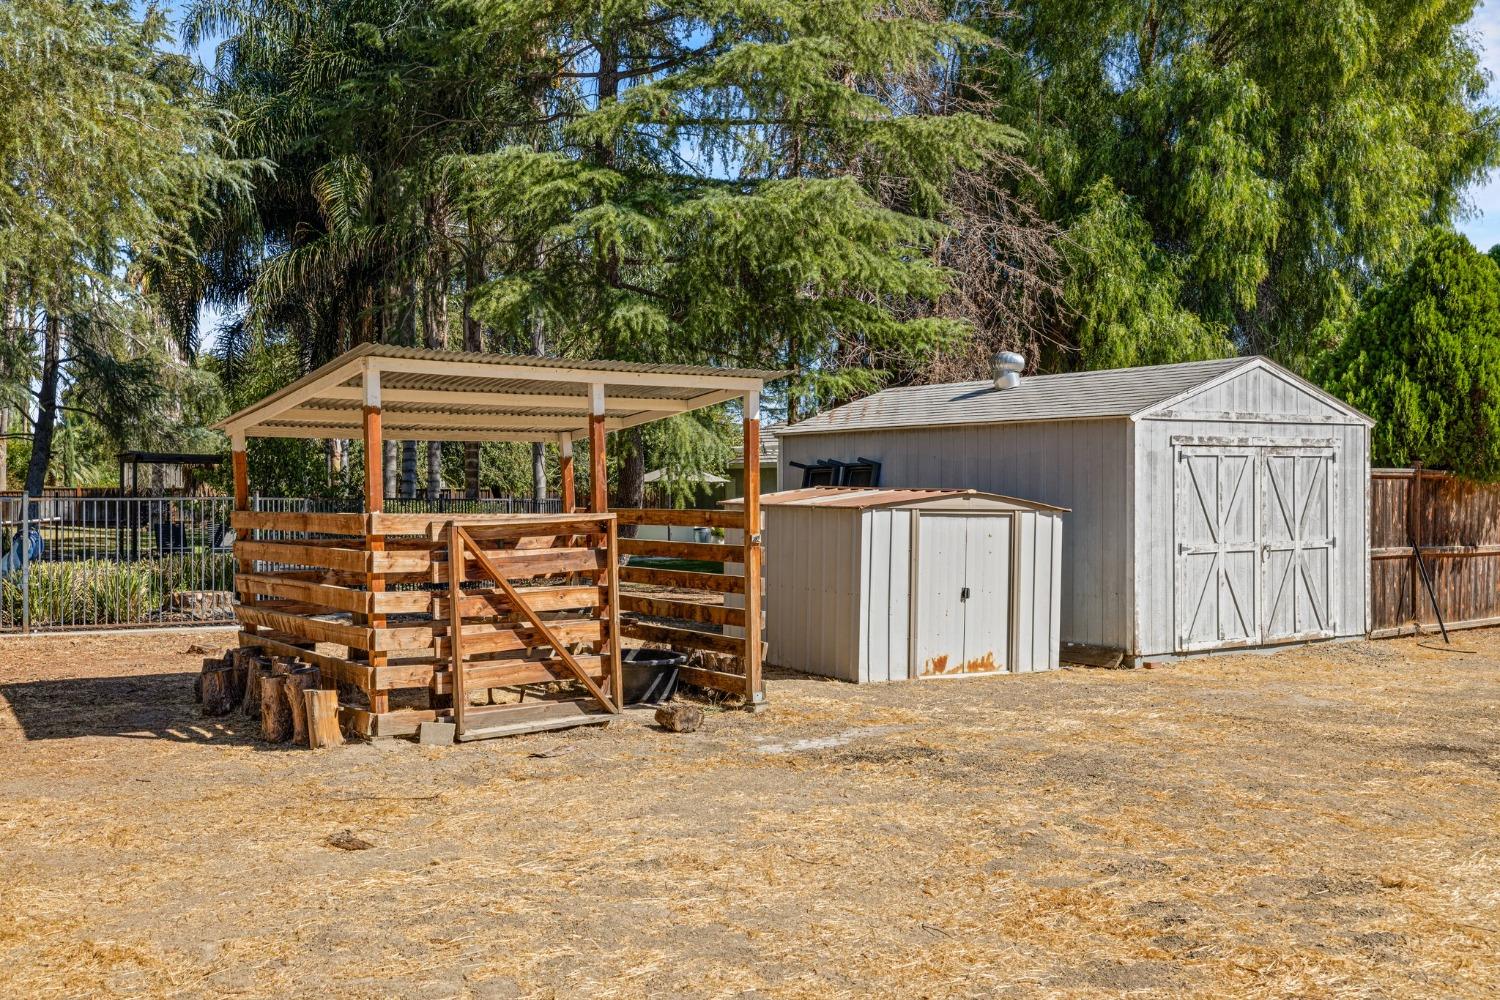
x=883, y=585
x=1214, y=505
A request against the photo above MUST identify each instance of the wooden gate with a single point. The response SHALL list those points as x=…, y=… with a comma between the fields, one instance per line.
x=1456, y=525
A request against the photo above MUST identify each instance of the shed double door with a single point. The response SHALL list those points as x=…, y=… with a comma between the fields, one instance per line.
x=1255, y=544
x=962, y=594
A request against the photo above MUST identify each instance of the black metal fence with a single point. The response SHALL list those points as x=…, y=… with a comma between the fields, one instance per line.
x=108, y=562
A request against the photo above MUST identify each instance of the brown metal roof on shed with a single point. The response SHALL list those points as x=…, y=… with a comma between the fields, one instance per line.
x=861, y=498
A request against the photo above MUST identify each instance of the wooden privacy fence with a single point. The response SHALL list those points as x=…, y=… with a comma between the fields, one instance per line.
x=689, y=593
x=538, y=595
x=1455, y=526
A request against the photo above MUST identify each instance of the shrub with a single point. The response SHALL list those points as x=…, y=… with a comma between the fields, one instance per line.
x=1422, y=356
x=86, y=592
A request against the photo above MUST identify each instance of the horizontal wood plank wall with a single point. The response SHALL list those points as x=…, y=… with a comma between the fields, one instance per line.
x=309, y=582
x=690, y=616
x=1456, y=526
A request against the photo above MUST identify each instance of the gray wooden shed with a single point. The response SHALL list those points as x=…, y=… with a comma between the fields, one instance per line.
x=884, y=585
x=1214, y=505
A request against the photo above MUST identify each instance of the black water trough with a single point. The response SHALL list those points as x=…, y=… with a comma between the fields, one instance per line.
x=649, y=675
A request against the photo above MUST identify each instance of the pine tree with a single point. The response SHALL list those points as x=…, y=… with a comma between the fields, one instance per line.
x=107, y=155
x=1237, y=170
x=1422, y=357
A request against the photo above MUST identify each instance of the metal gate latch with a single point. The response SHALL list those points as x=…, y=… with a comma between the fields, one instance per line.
x=963, y=595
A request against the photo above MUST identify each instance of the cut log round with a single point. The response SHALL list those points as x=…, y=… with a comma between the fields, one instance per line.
x=275, y=712
x=322, y=708
x=299, y=680
x=221, y=683
x=679, y=718
x=257, y=670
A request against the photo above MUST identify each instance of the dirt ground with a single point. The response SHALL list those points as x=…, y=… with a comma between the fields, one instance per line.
x=1316, y=823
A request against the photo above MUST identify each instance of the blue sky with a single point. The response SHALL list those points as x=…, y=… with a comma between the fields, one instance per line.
x=1484, y=227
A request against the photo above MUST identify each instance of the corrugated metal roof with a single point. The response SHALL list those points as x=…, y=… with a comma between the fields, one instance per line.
x=1118, y=392
x=863, y=498
x=770, y=448
x=470, y=396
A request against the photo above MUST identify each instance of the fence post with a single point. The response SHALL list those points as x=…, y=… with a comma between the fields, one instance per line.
x=25, y=563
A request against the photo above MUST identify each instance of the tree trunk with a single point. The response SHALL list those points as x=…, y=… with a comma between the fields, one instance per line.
x=300, y=680
x=275, y=711
x=435, y=318
x=390, y=467
x=223, y=685
x=538, y=473
x=408, y=469
x=46, y=410
x=538, y=450
x=322, y=710
x=633, y=470
x=473, y=341
x=257, y=670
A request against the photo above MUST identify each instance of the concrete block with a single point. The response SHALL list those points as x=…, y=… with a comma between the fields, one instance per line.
x=437, y=734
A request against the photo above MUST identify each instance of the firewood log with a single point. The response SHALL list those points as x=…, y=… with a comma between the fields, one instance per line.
x=257, y=670
x=300, y=679
x=275, y=711
x=217, y=682
x=322, y=709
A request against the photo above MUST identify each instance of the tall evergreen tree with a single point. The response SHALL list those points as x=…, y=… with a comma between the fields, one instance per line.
x=1233, y=173
x=107, y=157
x=1422, y=357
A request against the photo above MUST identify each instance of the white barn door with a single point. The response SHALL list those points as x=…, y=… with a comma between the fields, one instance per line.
x=1255, y=543
x=1217, y=548
x=962, y=595
x=1299, y=577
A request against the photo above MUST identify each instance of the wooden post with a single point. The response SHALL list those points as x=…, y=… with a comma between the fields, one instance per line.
x=612, y=614
x=374, y=503
x=598, y=467
x=565, y=473
x=1414, y=529
x=241, y=465
x=456, y=568
x=752, y=558
x=322, y=710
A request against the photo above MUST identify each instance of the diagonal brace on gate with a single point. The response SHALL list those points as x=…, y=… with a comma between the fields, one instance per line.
x=461, y=545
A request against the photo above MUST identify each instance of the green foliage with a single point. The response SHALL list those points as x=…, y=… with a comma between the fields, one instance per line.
x=1133, y=290
x=90, y=592
x=109, y=153
x=1246, y=168
x=1422, y=357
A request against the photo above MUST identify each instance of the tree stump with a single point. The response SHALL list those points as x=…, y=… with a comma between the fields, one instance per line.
x=679, y=718
x=222, y=684
x=275, y=711
x=256, y=671
x=322, y=709
x=294, y=683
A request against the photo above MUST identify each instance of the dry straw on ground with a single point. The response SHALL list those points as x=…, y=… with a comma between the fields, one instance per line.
x=1318, y=823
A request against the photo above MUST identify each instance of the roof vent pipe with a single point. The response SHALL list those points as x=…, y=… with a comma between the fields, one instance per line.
x=1007, y=366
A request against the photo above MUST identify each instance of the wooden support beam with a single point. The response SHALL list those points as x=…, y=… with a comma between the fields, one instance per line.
x=241, y=465
x=598, y=466
x=565, y=473
x=380, y=701
x=754, y=689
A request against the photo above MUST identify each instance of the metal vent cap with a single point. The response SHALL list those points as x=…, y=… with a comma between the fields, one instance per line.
x=1007, y=367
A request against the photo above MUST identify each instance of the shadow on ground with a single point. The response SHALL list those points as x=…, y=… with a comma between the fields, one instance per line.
x=134, y=706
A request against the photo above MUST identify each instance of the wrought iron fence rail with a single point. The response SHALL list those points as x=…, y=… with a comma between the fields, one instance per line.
x=72, y=563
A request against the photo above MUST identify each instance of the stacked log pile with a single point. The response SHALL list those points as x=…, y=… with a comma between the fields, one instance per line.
x=285, y=696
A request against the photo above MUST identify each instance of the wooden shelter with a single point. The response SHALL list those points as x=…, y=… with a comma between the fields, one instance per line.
x=424, y=610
